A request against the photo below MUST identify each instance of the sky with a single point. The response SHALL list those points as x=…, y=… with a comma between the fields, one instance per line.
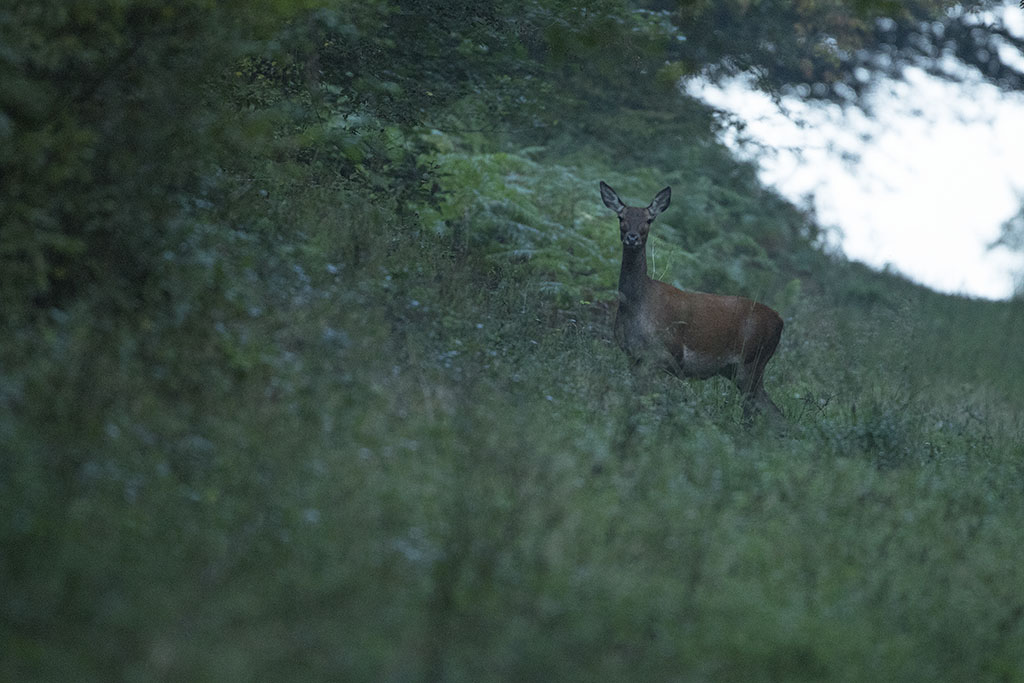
x=923, y=187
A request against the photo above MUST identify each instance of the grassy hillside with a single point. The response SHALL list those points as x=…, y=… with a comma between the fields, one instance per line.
x=410, y=451
x=363, y=420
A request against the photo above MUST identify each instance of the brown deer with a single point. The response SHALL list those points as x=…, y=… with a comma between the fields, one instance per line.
x=690, y=334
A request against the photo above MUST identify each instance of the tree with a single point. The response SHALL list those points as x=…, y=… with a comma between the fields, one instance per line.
x=1011, y=236
x=830, y=49
x=108, y=130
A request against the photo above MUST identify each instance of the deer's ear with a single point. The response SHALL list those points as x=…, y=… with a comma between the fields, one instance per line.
x=660, y=202
x=610, y=199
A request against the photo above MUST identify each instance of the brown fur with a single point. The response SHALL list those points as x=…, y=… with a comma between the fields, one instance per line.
x=691, y=334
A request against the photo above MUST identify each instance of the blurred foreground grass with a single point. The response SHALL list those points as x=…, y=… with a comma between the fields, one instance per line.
x=395, y=456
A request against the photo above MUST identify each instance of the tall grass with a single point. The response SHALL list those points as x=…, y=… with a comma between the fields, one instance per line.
x=407, y=455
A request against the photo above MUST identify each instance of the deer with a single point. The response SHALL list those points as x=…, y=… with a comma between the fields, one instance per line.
x=689, y=334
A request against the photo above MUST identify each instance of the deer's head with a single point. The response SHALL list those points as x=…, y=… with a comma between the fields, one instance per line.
x=635, y=222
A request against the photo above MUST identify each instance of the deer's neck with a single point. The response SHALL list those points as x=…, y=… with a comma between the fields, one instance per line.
x=633, y=276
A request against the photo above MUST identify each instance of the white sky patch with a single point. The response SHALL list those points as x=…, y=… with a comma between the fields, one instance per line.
x=922, y=187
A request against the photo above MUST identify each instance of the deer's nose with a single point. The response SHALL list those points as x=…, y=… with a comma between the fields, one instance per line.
x=631, y=239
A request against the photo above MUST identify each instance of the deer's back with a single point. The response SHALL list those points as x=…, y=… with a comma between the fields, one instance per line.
x=702, y=333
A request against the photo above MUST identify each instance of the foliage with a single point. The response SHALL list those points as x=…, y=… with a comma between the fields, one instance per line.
x=324, y=389
x=425, y=471
x=108, y=138
x=837, y=50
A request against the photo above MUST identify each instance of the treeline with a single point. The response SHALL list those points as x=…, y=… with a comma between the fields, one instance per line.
x=122, y=121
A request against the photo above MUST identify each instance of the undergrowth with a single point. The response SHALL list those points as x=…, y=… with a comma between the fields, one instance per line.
x=307, y=371
x=406, y=448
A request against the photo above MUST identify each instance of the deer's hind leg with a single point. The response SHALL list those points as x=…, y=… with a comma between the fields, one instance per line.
x=749, y=380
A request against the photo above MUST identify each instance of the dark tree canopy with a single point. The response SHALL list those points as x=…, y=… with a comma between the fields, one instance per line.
x=112, y=113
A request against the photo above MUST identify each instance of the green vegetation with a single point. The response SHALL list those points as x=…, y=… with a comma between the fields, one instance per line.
x=307, y=372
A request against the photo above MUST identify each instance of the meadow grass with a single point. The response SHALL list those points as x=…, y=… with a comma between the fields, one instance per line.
x=407, y=458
